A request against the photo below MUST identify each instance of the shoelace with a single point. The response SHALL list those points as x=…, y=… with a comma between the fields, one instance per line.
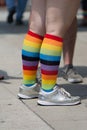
x=65, y=93
x=72, y=71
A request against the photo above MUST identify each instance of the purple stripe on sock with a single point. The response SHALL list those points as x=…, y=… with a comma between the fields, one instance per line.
x=28, y=63
x=48, y=67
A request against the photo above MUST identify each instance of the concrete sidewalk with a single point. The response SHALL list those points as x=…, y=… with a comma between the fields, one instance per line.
x=18, y=114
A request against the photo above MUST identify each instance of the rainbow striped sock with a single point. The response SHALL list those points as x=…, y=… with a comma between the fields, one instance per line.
x=50, y=56
x=30, y=57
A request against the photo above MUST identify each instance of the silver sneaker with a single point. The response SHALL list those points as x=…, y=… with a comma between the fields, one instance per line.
x=69, y=73
x=29, y=92
x=57, y=97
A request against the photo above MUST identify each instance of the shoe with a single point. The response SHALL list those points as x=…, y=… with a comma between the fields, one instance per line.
x=29, y=92
x=10, y=15
x=70, y=74
x=58, y=97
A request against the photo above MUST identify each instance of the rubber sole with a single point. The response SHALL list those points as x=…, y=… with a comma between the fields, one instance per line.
x=21, y=96
x=44, y=103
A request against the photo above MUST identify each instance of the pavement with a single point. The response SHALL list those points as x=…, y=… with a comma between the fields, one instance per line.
x=18, y=114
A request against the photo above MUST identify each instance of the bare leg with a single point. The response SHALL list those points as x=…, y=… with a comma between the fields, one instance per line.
x=69, y=43
x=60, y=16
x=68, y=72
x=37, y=17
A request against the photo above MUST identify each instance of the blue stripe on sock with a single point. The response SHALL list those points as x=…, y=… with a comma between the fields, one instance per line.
x=50, y=58
x=30, y=54
x=28, y=85
x=47, y=90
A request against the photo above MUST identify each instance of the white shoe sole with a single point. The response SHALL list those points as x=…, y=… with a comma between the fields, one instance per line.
x=21, y=96
x=74, y=81
x=44, y=103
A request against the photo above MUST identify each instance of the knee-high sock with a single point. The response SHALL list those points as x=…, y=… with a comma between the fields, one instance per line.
x=30, y=57
x=50, y=56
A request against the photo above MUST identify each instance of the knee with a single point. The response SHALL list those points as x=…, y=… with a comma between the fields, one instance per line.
x=36, y=25
x=56, y=26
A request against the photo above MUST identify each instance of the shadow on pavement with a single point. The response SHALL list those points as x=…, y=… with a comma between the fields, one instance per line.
x=82, y=70
x=76, y=89
x=7, y=77
x=79, y=89
x=6, y=28
x=81, y=28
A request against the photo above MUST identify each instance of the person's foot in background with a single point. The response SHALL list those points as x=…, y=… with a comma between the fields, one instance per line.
x=71, y=75
x=10, y=15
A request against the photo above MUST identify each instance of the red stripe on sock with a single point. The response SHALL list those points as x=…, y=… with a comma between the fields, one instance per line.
x=29, y=67
x=35, y=35
x=54, y=37
x=49, y=72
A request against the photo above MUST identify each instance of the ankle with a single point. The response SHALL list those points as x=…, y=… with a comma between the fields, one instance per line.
x=68, y=66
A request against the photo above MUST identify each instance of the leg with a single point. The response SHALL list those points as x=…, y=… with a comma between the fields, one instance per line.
x=21, y=5
x=69, y=43
x=56, y=27
x=50, y=53
x=10, y=4
x=31, y=49
x=68, y=72
x=37, y=17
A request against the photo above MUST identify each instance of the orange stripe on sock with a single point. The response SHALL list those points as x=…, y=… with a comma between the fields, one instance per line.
x=30, y=38
x=53, y=42
x=28, y=72
x=50, y=77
